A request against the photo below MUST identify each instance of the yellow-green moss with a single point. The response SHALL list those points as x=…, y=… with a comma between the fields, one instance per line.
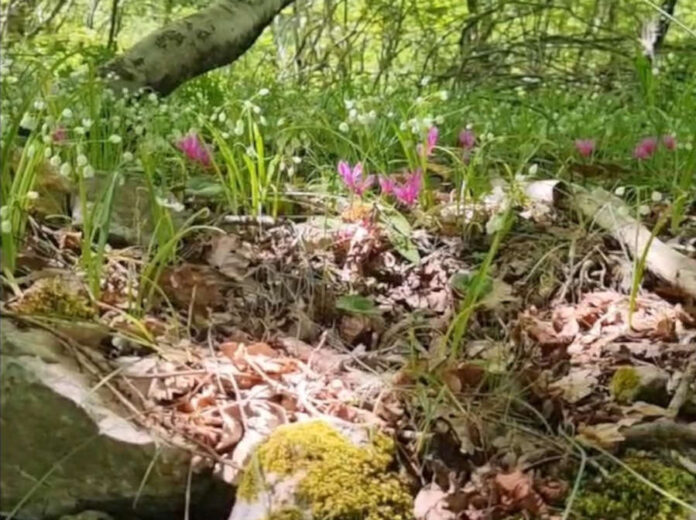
x=340, y=481
x=56, y=297
x=288, y=513
x=625, y=384
x=621, y=496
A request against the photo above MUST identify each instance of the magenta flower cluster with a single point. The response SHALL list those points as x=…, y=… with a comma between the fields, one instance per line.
x=647, y=147
x=585, y=147
x=59, y=135
x=430, y=142
x=353, y=178
x=193, y=148
x=467, y=140
x=406, y=192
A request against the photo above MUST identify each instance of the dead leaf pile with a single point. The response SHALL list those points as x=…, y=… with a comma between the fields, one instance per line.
x=228, y=400
x=491, y=493
x=609, y=368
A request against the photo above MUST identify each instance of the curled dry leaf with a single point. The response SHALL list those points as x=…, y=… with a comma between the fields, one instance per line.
x=553, y=491
x=190, y=285
x=431, y=504
x=229, y=255
x=518, y=493
x=604, y=435
x=577, y=385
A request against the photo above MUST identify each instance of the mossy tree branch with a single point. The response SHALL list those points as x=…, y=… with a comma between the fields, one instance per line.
x=211, y=38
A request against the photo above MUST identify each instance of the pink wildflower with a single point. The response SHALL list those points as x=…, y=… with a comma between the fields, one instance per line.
x=353, y=177
x=669, y=141
x=60, y=135
x=387, y=184
x=408, y=192
x=645, y=148
x=585, y=147
x=430, y=142
x=467, y=139
x=194, y=149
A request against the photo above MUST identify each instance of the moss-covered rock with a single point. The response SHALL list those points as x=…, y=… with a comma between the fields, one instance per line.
x=621, y=496
x=310, y=470
x=645, y=383
x=58, y=296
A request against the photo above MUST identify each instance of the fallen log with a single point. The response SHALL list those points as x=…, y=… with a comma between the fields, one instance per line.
x=614, y=216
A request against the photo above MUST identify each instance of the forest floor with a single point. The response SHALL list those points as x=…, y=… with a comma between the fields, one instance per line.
x=512, y=367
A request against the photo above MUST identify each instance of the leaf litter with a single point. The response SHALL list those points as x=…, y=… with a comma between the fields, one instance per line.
x=259, y=327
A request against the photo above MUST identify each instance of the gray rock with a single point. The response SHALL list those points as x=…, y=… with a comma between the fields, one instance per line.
x=88, y=515
x=67, y=449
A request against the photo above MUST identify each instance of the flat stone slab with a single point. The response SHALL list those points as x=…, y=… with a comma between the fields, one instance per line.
x=67, y=449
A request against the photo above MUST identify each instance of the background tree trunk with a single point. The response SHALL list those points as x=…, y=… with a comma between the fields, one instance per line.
x=184, y=49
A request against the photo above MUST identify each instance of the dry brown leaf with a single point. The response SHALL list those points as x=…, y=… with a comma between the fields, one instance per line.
x=604, y=435
x=431, y=504
x=231, y=435
x=191, y=285
x=518, y=493
x=553, y=491
x=261, y=349
x=577, y=385
x=225, y=256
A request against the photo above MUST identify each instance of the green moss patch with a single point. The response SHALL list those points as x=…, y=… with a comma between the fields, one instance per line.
x=625, y=384
x=338, y=480
x=621, y=496
x=57, y=296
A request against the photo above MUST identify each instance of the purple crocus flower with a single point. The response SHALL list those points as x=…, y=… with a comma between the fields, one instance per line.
x=408, y=192
x=353, y=177
x=430, y=142
x=387, y=185
x=467, y=139
x=194, y=149
x=585, y=147
x=645, y=149
x=59, y=135
x=669, y=141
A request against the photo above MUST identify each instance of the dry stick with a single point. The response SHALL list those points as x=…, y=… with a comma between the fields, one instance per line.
x=188, y=490
x=682, y=393
x=611, y=214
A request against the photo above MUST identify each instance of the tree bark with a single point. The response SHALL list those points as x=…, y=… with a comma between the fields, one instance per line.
x=184, y=49
x=668, y=7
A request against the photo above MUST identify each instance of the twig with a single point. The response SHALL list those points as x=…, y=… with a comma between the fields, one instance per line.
x=682, y=393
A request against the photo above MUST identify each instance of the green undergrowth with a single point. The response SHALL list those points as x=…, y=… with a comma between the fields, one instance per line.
x=621, y=496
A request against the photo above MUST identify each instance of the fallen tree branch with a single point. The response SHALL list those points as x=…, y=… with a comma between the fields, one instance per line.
x=660, y=433
x=682, y=394
x=614, y=216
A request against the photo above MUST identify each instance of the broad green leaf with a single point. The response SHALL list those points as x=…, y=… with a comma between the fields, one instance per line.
x=399, y=234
